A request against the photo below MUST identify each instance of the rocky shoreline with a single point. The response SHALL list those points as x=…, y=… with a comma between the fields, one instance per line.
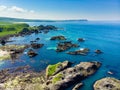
x=58, y=76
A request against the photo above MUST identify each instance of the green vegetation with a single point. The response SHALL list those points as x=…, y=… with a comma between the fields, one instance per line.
x=7, y=28
x=51, y=69
x=58, y=77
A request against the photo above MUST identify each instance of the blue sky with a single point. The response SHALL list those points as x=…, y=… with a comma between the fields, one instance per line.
x=61, y=9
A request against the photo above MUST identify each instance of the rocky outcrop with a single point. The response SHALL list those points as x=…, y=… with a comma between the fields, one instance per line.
x=81, y=39
x=11, y=51
x=31, y=53
x=68, y=76
x=78, y=86
x=58, y=38
x=82, y=51
x=53, y=69
x=107, y=83
x=62, y=46
x=36, y=45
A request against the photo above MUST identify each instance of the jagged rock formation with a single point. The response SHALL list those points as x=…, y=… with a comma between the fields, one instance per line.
x=67, y=77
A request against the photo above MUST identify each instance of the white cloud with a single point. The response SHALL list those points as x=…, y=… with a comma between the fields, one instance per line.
x=17, y=9
x=14, y=9
x=2, y=8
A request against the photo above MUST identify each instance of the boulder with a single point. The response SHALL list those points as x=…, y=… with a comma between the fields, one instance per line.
x=81, y=39
x=36, y=45
x=107, y=83
x=58, y=38
x=3, y=42
x=98, y=51
x=31, y=53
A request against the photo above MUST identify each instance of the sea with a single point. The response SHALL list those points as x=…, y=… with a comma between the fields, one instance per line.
x=103, y=35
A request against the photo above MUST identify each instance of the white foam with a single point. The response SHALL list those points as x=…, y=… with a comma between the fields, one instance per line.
x=51, y=48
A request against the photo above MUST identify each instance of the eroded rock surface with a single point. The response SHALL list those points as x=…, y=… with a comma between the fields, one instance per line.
x=107, y=84
x=67, y=77
x=62, y=46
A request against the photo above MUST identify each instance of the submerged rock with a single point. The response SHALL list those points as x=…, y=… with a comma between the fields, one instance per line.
x=82, y=51
x=68, y=76
x=62, y=46
x=98, y=51
x=78, y=86
x=81, y=39
x=31, y=53
x=107, y=83
x=58, y=38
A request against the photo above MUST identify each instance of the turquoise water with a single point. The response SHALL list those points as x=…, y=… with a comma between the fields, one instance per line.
x=99, y=35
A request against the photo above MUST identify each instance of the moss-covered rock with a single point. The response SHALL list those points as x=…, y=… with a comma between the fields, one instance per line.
x=58, y=77
x=54, y=69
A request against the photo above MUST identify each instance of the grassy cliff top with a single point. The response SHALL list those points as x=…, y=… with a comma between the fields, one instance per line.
x=7, y=28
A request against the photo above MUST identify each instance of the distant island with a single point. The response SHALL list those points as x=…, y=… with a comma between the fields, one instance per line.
x=9, y=19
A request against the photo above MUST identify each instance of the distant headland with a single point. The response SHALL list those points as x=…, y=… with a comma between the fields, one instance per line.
x=9, y=19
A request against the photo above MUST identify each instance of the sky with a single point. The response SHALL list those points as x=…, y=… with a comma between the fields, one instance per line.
x=61, y=9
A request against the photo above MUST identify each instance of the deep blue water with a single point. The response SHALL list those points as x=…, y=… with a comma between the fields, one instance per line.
x=99, y=35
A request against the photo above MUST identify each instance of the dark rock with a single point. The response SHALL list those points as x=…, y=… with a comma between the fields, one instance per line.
x=62, y=46
x=3, y=42
x=38, y=38
x=98, y=51
x=81, y=39
x=36, y=45
x=31, y=53
x=58, y=38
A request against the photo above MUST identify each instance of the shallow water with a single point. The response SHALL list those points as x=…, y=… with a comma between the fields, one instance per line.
x=99, y=35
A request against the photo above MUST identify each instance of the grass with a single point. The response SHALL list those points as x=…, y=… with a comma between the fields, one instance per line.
x=57, y=78
x=7, y=28
x=51, y=69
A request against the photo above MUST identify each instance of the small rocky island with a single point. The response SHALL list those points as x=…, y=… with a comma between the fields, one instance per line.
x=62, y=46
x=107, y=83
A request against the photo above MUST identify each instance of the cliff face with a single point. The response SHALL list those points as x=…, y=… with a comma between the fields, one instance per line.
x=107, y=84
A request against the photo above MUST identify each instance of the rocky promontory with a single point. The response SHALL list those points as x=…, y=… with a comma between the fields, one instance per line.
x=71, y=75
x=107, y=83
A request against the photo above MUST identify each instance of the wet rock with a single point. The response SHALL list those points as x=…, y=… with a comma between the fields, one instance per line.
x=58, y=38
x=81, y=39
x=3, y=42
x=68, y=76
x=31, y=53
x=78, y=86
x=107, y=83
x=36, y=45
x=98, y=51
x=82, y=51
x=62, y=46
x=38, y=38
